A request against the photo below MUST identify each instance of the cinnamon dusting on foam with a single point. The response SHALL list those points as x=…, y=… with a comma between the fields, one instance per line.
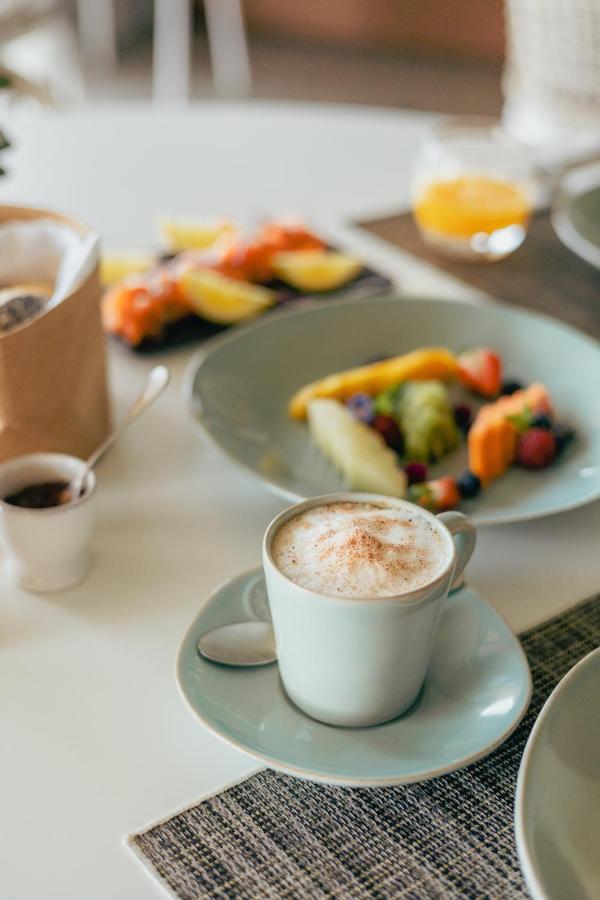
x=360, y=550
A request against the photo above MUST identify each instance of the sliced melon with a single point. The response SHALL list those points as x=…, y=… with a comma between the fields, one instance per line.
x=493, y=437
x=355, y=449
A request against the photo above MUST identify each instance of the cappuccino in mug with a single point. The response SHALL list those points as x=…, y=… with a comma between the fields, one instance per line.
x=361, y=550
x=356, y=586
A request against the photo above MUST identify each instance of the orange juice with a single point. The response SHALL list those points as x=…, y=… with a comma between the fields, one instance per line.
x=471, y=204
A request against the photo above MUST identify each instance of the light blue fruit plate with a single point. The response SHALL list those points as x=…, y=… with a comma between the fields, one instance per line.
x=475, y=693
x=239, y=386
x=557, y=808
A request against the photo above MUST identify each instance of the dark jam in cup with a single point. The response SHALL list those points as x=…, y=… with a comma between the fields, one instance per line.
x=41, y=496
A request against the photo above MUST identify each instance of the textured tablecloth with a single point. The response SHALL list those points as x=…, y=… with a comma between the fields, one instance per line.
x=543, y=275
x=274, y=836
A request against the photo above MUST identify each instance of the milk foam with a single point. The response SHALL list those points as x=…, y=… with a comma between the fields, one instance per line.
x=360, y=550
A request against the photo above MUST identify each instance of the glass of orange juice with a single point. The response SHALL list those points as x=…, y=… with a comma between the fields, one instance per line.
x=472, y=189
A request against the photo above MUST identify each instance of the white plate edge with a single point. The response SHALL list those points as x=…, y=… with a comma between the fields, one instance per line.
x=527, y=863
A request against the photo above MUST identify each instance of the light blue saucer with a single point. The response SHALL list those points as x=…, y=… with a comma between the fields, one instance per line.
x=476, y=692
x=239, y=386
x=557, y=806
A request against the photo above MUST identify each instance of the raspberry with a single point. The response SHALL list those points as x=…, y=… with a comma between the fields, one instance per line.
x=388, y=429
x=536, y=448
x=416, y=472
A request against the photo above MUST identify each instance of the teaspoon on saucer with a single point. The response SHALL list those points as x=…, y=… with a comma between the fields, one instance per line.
x=249, y=643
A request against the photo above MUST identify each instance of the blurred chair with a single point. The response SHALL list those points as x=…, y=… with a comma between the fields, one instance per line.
x=228, y=47
x=38, y=50
x=172, y=44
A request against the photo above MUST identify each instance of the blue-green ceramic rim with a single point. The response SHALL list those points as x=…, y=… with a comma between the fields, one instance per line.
x=214, y=344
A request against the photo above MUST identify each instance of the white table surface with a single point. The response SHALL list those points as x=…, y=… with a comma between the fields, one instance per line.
x=95, y=741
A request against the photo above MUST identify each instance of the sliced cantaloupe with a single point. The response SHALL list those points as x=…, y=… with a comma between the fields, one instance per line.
x=492, y=440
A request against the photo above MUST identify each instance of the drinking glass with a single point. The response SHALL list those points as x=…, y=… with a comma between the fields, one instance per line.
x=473, y=189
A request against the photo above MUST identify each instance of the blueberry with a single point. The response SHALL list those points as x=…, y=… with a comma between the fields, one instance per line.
x=541, y=421
x=463, y=417
x=468, y=484
x=361, y=406
x=509, y=387
x=563, y=435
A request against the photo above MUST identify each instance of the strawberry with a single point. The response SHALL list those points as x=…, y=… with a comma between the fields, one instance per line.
x=536, y=448
x=480, y=370
x=436, y=495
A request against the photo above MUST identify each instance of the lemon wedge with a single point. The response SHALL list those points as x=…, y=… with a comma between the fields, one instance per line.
x=114, y=267
x=179, y=235
x=315, y=270
x=221, y=299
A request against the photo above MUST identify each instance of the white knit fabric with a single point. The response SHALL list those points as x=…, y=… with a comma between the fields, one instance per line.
x=552, y=75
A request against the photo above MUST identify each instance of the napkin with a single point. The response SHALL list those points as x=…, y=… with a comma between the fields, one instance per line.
x=46, y=250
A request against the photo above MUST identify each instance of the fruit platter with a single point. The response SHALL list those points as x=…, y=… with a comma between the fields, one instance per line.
x=211, y=275
x=383, y=423
x=447, y=403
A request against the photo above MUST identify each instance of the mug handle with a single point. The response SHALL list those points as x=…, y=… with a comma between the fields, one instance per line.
x=464, y=536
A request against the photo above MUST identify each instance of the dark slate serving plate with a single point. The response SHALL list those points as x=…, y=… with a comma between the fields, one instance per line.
x=193, y=329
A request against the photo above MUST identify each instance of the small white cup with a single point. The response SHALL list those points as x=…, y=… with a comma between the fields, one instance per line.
x=354, y=662
x=46, y=548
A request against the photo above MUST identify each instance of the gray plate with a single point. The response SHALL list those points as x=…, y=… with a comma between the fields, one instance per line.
x=575, y=213
x=238, y=388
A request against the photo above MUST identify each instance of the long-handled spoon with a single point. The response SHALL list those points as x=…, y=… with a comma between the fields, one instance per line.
x=157, y=381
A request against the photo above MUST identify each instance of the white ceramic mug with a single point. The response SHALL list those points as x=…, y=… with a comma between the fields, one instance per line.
x=356, y=662
x=46, y=548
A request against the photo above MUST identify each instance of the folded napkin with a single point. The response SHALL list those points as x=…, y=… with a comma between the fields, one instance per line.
x=275, y=836
x=46, y=251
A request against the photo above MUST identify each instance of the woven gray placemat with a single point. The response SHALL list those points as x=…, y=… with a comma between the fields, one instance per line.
x=274, y=836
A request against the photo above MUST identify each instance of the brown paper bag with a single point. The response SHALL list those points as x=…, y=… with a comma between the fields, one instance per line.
x=53, y=392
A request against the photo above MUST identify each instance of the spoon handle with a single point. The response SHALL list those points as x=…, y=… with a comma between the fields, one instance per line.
x=158, y=379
